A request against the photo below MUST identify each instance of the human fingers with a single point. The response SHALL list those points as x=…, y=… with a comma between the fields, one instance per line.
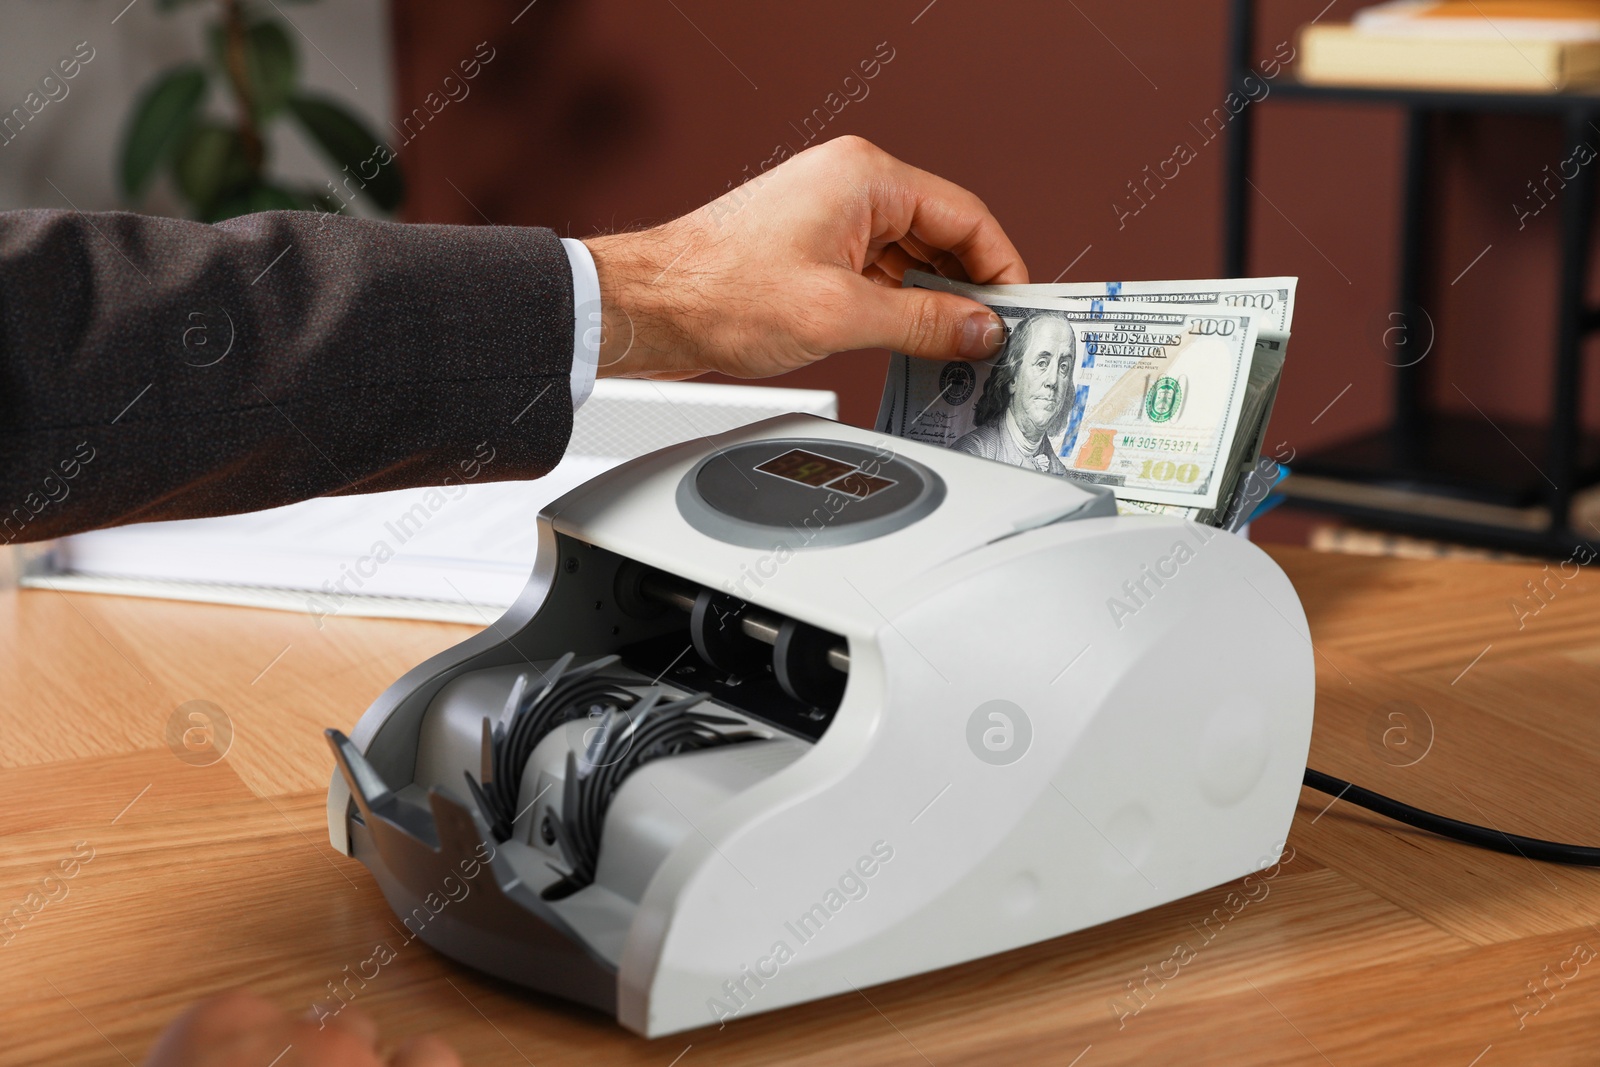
x=919, y=322
x=929, y=215
x=239, y=1027
x=355, y=1023
x=893, y=262
x=214, y=1029
x=426, y=1051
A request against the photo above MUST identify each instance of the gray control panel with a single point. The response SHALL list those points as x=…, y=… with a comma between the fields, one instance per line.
x=804, y=492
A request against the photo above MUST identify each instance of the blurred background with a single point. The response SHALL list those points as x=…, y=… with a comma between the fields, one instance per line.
x=596, y=115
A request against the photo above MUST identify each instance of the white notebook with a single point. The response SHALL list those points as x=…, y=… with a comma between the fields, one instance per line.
x=460, y=554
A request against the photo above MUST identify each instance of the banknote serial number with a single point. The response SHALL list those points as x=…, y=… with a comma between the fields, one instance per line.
x=1161, y=444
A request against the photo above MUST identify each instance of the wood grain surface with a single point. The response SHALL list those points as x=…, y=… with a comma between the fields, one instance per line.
x=1373, y=944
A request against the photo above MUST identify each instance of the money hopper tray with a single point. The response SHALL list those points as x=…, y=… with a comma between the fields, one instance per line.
x=802, y=708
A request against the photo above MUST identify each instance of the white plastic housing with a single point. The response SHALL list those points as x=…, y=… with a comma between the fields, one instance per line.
x=1157, y=681
x=1167, y=749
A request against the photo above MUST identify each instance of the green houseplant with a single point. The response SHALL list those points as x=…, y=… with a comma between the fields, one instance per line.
x=221, y=168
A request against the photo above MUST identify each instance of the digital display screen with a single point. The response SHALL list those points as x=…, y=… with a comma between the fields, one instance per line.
x=860, y=485
x=820, y=472
x=807, y=468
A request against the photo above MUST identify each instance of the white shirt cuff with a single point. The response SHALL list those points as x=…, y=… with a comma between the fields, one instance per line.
x=585, y=319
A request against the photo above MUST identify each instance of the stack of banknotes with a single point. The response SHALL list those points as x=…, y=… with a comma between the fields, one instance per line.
x=1159, y=390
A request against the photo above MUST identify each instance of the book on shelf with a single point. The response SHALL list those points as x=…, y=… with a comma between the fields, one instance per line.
x=1542, y=20
x=1532, y=46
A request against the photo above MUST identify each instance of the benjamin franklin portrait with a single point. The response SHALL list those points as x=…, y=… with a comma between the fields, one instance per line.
x=1025, y=402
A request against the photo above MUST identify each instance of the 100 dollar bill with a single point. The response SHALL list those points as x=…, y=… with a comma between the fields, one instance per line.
x=1143, y=398
x=1271, y=298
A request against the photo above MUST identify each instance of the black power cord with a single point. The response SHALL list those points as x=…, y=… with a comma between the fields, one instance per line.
x=1469, y=833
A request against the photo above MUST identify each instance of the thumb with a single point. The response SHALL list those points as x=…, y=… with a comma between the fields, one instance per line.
x=932, y=325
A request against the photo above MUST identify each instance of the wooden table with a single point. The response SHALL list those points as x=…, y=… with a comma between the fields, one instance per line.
x=1374, y=945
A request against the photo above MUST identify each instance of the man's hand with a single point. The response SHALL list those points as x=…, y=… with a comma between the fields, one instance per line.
x=801, y=262
x=237, y=1028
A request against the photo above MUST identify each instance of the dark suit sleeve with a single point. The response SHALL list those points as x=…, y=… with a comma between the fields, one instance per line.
x=160, y=369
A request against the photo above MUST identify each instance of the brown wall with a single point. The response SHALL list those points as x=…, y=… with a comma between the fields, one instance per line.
x=609, y=114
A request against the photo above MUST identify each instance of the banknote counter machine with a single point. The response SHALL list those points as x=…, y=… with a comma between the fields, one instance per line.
x=804, y=708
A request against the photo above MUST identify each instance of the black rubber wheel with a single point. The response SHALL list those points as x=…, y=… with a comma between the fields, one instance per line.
x=800, y=661
x=718, y=638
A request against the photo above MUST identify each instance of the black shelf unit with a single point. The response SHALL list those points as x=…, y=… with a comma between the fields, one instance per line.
x=1459, y=460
